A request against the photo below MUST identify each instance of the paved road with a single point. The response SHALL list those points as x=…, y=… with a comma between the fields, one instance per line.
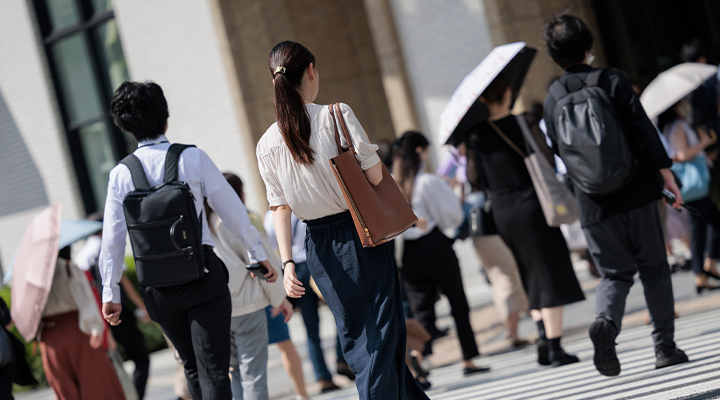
x=516, y=375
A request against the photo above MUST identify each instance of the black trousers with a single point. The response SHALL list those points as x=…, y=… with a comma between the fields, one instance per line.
x=132, y=340
x=195, y=316
x=705, y=231
x=625, y=244
x=429, y=264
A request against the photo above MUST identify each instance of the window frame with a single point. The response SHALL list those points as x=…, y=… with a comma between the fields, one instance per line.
x=88, y=22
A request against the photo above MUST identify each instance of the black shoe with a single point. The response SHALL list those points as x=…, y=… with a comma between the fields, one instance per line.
x=440, y=333
x=344, y=369
x=562, y=358
x=424, y=383
x=327, y=386
x=418, y=368
x=467, y=371
x=603, y=334
x=700, y=289
x=712, y=274
x=666, y=357
x=543, y=352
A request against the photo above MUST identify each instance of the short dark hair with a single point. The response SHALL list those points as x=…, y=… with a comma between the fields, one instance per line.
x=692, y=51
x=567, y=39
x=140, y=108
x=496, y=89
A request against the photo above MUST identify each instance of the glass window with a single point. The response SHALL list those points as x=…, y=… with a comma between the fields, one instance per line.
x=85, y=57
x=76, y=79
x=101, y=5
x=108, y=40
x=62, y=13
x=99, y=158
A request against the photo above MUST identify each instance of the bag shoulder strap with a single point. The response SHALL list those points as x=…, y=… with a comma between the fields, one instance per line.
x=172, y=159
x=558, y=90
x=527, y=134
x=336, y=133
x=341, y=121
x=593, y=78
x=136, y=171
x=507, y=140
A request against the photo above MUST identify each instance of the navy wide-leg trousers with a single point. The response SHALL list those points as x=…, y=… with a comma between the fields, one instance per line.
x=362, y=289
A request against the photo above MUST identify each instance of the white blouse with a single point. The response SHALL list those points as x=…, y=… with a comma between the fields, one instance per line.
x=434, y=200
x=311, y=191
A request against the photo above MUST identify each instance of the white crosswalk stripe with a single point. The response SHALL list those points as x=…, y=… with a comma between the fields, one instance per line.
x=517, y=376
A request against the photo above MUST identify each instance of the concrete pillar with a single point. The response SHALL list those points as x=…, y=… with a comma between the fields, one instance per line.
x=392, y=66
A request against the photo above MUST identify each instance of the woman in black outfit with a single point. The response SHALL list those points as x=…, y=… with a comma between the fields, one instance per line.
x=541, y=252
x=429, y=261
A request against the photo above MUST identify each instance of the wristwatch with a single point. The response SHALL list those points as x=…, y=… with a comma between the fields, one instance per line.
x=287, y=262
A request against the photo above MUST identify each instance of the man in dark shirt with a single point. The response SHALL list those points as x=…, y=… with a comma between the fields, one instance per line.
x=623, y=229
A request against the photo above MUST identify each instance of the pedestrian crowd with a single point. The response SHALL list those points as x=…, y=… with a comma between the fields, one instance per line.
x=222, y=282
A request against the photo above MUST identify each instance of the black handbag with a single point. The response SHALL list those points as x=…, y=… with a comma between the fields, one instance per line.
x=478, y=217
x=476, y=205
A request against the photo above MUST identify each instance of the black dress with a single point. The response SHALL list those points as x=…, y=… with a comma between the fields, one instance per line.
x=540, y=251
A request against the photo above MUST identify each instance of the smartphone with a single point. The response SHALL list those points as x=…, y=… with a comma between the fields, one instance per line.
x=670, y=198
x=258, y=270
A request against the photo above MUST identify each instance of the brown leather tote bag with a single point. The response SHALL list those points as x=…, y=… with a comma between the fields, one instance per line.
x=380, y=212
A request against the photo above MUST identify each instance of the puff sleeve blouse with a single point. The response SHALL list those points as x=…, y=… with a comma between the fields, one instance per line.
x=311, y=191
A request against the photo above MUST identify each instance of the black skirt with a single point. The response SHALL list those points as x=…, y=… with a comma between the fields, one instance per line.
x=541, y=252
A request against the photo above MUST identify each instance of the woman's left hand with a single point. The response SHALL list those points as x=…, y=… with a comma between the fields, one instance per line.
x=293, y=287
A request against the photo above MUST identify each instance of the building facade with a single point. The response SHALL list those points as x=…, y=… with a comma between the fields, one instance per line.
x=396, y=62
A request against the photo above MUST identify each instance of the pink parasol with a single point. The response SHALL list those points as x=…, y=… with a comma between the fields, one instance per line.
x=33, y=271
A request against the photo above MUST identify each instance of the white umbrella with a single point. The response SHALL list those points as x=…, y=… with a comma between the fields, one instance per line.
x=464, y=110
x=673, y=85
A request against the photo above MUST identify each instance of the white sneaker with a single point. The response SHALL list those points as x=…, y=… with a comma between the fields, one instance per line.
x=298, y=397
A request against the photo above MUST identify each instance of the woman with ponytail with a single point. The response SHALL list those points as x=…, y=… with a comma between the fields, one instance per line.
x=429, y=261
x=360, y=285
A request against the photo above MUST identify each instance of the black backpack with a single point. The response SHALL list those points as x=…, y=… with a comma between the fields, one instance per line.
x=164, y=229
x=590, y=138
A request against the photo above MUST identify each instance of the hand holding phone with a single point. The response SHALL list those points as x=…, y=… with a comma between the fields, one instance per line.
x=670, y=198
x=258, y=271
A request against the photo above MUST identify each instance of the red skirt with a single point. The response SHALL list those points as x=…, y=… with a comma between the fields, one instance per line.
x=74, y=370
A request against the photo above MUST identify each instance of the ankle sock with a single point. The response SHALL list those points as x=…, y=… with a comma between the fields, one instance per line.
x=541, y=329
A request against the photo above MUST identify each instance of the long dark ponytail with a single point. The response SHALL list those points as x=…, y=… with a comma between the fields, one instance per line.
x=406, y=160
x=287, y=62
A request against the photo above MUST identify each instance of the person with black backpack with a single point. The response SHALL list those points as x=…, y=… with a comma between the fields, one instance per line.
x=156, y=196
x=619, y=168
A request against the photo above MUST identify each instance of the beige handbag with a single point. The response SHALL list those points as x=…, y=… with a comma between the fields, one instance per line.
x=558, y=203
x=380, y=212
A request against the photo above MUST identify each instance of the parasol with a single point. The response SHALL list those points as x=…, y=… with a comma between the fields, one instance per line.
x=465, y=110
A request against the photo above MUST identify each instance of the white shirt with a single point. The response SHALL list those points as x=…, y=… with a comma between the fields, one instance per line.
x=89, y=255
x=299, y=230
x=205, y=181
x=248, y=294
x=434, y=200
x=311, y=191
x=670, y=131
x=71, y=291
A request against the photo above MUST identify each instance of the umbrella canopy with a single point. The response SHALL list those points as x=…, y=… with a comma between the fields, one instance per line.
x=34, y=269
x=673, y=85
x=70, y=232
x=73, y=231
x=465, y=110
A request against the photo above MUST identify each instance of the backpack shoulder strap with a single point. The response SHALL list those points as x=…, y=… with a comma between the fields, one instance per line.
x=558, y=90
x=172, y=159
x=593, y=78
x=136, y=171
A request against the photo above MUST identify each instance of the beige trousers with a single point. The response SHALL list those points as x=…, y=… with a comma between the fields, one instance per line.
x=502, y=271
